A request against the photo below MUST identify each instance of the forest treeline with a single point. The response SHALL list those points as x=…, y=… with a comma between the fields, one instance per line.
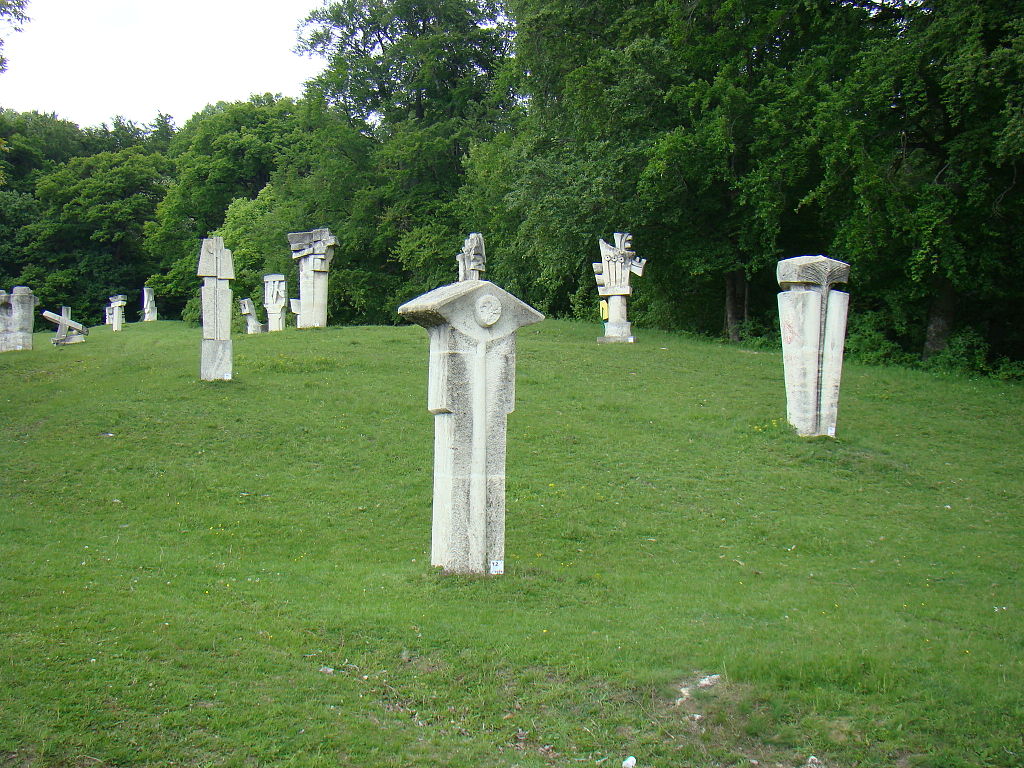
x=724, y=134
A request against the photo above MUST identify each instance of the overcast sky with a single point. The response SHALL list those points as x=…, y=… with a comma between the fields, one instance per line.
x=88, y=60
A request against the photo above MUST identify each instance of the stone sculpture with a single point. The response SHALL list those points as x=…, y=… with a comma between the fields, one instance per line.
x=68, y=331
x=812, y=316
x=472, y=258
x=472, y=329
x=148, y=305
x=275, y=296
x=314, y=251
x=117, y=311
x=17, y=314
x=296, y=307
x=617, y=263
x=252, y=323
x=217, y=269
x=108, y=314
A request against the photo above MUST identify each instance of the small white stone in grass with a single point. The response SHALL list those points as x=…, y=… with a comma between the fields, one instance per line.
x=684, y=691
x=812, y=760
x=327, y=670
x=629, y=762
x=710, y=680
x=695, y=717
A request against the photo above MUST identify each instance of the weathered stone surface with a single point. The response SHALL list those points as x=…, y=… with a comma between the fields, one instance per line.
x=471, y=390
x=68, y=331
x=612, y=273
x=148, y=305
x=275, y=298
x=17, y=314
x=117, y=311
x=252, y=322
x=314, y=251
x=812, y=317
x=472, y=258
x=217, y=269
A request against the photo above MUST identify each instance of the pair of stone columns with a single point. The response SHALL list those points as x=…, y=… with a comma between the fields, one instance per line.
x=812, y=319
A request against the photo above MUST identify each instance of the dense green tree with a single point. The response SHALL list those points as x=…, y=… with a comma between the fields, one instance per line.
x=415, y=77
x=923, y=184
x=87, y=242
x=225, y=152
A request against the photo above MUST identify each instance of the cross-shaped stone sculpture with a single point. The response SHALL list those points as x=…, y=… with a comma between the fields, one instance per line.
x=68, y=331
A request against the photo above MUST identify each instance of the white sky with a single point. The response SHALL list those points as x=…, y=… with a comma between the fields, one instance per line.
x=89, y=60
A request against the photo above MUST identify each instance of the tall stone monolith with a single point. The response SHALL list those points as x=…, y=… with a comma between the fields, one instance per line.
x=472, y=258
x=472, y=330
x=252, y=322
x=148, y=305
x=217, y=269
x=617, y=263
x=812, y=317
x=17, y=315
x=275, y=298
x=313, y=251
x=117, y=311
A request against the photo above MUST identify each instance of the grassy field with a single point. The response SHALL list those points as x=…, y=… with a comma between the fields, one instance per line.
x=237, y=573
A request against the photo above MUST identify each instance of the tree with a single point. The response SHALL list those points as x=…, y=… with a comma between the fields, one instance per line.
x=87, y=243
x=923, y=183
x=225, y=152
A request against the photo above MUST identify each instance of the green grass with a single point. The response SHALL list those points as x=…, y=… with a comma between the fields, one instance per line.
x=179, y=560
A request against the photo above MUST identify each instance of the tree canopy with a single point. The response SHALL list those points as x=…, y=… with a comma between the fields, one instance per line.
x=724, y=134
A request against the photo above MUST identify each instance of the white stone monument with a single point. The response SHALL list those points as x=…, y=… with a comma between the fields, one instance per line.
x=812, y=316
x=472, y=329
x=17, y=314
x=117, y=311
x=217, y=269
x=296, y=307
x=148, y=305
x=275, y=297
x=617, y=263
x=252, y=322
x=314, y=251
x=108, y=314
x=68, y=331
x=472, y=258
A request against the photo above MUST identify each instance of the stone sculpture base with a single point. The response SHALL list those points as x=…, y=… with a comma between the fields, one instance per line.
x=13, y=341
x=617, y=333
x=215, y=362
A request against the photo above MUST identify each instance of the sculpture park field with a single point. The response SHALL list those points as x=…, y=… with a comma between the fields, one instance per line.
x=236, y=573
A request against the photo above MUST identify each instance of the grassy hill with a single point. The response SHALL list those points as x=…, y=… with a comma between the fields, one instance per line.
x=237, y=573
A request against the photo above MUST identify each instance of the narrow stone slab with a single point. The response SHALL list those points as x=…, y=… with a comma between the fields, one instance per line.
x=148, y=305
x=217, y=268
x=471, y=390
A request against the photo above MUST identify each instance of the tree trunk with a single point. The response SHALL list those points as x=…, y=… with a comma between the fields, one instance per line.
x=735, y=302
x=941, y=315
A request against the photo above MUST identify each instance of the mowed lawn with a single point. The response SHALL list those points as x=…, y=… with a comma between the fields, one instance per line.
x=237, y=573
